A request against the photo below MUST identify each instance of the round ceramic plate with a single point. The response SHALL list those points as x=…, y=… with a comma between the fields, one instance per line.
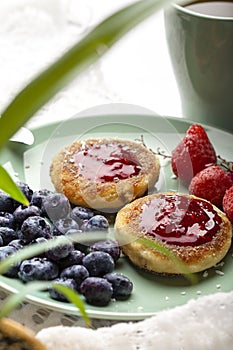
x=151, y=293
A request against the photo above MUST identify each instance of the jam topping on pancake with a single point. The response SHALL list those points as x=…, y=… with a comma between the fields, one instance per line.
x=106, y=162
x=179, y=220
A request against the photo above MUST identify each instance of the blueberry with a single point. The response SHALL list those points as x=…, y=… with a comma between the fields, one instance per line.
x=62, y=226
x=67, y=282
x=34, y=227
x=56, y=232
x=39, y=240
x=61, y=251
x=98, y=263
x=56, y=206
x=97, y=291
x=4, y=253
x=38, y=269
x=96, y=223
x=7, y=220
x=109, y=246
x=71, y=233
x=17, y=244
x=38, y=196
x=83, y=227
x=7, y=204
x=76, y=272
x=79, y=214
x=22, y=213
x=27, y=191
x=8, y=234
x=74, y=258
x=122, y=286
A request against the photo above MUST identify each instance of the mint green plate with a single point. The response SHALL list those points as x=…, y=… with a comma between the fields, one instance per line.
x=151, y=293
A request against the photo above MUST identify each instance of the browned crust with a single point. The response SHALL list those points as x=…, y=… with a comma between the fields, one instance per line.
x=107, y=195
x=196, y=258
x=23, y=337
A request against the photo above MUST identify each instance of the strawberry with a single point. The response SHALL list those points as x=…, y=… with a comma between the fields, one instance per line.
x=194, y=153
x=211, y=183
x=227, y=203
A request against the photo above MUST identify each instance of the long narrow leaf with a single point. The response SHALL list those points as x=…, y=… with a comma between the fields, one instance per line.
x=38, y=248
x=73, y=297
x=8, y=185
x=191, y=277
x=16, y=299
x=84, y=238
x=77, y=59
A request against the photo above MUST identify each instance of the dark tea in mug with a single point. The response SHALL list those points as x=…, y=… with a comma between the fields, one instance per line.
x=212, y=8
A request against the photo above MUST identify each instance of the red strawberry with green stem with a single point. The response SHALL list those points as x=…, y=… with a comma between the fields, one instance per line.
x=194, y=153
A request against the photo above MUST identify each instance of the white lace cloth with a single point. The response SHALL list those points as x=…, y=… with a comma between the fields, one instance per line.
x=202, y=324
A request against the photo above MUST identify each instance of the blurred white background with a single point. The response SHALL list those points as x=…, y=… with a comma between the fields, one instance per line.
x=137, y=70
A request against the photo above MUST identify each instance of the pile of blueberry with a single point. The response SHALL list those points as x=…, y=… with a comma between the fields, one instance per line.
x=87, y=269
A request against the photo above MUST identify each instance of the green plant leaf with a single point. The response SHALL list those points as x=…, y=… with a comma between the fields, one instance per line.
x=75, y=299
x=8, y=185
x=12, y=302
x=38, y=248
x=191, y=277
x=73, y=62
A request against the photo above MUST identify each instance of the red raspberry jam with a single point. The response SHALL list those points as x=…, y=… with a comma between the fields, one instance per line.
x=106, y=162
x=180, y=220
